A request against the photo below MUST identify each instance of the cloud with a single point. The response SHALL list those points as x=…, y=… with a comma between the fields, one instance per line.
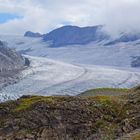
x=45, y=15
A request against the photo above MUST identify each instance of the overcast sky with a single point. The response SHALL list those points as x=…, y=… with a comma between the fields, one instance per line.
x=18, y=16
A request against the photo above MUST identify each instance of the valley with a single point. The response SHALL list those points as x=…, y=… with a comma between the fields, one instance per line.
x=50, y=77
x=69, y=67
x=89, y=80
x=69, y=70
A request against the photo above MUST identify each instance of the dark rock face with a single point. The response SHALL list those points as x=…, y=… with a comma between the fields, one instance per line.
x=69, y=118
x=31, y=34
x=11, y=63
x=9, y=58
x=73, y=35
x=136, y=61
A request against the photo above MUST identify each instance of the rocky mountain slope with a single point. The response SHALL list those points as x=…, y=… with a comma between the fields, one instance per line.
x=70, y=118
x=11, y=63
x=9, y=58
x=70, y=35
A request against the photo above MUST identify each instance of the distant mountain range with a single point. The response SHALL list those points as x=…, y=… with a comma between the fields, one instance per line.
x=74, y=35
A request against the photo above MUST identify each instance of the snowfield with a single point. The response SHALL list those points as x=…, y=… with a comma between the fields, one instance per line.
x=50, y=77
x=71, y=70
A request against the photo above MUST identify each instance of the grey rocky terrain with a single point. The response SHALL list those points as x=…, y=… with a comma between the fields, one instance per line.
x=11, y=63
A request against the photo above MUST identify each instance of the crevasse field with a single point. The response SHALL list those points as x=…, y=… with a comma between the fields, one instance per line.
x=70, y=70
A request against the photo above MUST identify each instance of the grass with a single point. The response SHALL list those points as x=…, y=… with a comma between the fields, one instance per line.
x=105, y=91
x=100, y=98
x=24, y=103
x=101, y=95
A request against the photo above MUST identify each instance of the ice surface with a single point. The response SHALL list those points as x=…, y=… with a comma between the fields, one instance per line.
x=71, y=70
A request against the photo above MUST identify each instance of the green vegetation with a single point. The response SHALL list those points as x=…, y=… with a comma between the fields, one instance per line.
x=26, y=101
x=105, y=91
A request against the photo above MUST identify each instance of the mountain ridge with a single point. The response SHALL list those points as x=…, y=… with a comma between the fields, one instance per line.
x=70, y=35
x=75, y=35
x=32, y=34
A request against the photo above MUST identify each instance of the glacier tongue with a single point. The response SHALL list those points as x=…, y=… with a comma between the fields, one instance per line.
x=50, y=77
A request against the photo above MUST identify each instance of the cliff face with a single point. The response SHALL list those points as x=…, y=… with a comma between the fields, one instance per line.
x=11, y=63
x=70, y=118
x=9, y=59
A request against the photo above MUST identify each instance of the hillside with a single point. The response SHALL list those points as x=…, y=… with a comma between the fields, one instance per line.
x=9, y=58
x=72, y=118
x=11, y=63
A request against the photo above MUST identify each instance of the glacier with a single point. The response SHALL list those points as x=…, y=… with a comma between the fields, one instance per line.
x=70, y=70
